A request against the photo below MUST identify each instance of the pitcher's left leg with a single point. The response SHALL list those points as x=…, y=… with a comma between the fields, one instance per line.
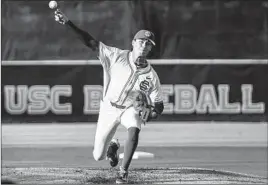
x=131, y=120
x=130, y=146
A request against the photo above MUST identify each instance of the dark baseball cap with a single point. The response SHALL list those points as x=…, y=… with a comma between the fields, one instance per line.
x=145, y=34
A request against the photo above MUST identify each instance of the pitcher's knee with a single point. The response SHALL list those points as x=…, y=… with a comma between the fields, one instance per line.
x=97, y=156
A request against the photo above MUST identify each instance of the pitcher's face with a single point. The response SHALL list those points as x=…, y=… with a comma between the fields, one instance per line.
x=142, y=47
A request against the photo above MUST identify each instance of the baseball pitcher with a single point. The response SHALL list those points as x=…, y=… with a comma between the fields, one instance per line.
x=131, y=94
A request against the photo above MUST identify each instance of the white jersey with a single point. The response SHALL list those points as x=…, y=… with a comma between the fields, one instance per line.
x=121, y=77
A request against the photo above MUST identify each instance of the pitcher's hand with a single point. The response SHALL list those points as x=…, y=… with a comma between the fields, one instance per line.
x=60, y=17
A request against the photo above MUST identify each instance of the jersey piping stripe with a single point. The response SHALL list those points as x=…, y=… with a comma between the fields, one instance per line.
x=136, y=78
x=107, y=86
x=128, y=80
x=104, y=63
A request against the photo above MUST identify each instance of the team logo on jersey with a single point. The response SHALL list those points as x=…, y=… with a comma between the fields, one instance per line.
x=147, y=34
x=144, y=85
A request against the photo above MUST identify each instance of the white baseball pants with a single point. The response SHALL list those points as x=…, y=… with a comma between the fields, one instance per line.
x=109, y=119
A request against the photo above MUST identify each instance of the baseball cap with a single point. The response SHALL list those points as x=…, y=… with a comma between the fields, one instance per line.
x=145, y=34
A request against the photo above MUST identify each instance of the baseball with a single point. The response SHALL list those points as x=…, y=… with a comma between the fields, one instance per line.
x=52, y=4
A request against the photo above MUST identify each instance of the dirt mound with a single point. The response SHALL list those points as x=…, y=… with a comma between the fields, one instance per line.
x=136, y=176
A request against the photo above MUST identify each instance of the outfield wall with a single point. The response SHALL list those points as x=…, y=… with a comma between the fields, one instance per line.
x=194, y=90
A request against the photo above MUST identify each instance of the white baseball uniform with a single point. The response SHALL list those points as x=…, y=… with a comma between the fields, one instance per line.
x=121, y=79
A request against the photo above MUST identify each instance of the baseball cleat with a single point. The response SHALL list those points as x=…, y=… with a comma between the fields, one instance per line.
x=122, y=176
x=112, y=155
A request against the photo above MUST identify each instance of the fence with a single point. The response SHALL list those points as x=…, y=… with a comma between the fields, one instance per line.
x=194, y=90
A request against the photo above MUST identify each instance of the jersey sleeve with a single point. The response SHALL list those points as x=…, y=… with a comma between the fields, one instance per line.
x=156, y=93
x=107, y=55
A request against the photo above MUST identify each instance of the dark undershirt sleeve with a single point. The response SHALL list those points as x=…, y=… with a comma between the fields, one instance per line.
x=159, y=107
x=84, y=36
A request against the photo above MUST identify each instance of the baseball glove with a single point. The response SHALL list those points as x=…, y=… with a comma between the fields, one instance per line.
x=142, y=106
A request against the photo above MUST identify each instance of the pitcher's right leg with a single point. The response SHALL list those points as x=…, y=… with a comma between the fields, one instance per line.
x=106, y=128
x=102, y=141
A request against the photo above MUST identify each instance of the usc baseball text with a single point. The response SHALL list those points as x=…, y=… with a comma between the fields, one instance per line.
x=187, y=99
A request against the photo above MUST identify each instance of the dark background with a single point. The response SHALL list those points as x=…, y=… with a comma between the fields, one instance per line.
x=187, y=29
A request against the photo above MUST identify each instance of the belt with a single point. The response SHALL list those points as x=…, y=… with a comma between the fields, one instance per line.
x=118, y=106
